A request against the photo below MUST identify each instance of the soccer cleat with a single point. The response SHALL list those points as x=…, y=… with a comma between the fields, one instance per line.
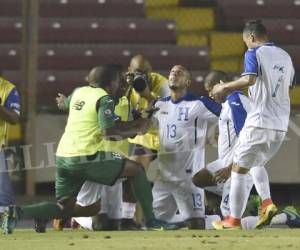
x=227, y=223
x=10, y=219
x=129, y=225
x=293, y=218
x=158, y=225
x=40, y=225
x=266, y=215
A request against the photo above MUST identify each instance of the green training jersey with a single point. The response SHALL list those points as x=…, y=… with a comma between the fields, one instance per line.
x=90, y=111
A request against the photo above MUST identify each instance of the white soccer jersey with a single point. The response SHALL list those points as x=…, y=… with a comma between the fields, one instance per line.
x=231, y=121
x=270, y=93
x=182, y=133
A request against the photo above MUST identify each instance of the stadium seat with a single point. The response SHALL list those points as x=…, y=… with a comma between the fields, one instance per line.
x=50, y=83
x=233, y=13
x=283, y=31
x=92, y=8
x=83, y=57
x=90, y=30
x=294, y=51
x=10, y=8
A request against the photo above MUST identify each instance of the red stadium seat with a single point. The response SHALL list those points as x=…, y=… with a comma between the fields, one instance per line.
x=90, y=30
x=283, y=31
x=92, y=8
x=233, y=13
x=83, y=57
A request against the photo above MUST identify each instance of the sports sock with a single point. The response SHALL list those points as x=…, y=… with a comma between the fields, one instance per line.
x=249, y=222
x=128, y=210
x=85, y=222
x=209, y=219
x=238, y=194
x=43, y=210
x=261, y=182
x=142, y=191
x=279, y=219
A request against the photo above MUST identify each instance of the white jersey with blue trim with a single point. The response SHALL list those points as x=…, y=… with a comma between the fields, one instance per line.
x=275, y=73
x=182, y=133
x=231, y=121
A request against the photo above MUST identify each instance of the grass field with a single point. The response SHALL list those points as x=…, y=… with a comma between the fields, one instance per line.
x=274, y=239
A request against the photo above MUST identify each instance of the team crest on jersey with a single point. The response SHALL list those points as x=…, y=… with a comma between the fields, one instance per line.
x=183, y=114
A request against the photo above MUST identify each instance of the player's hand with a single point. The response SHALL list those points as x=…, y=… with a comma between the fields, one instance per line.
x=149, y=112
x=222, y=175
x=218, y=92
x=60, y=100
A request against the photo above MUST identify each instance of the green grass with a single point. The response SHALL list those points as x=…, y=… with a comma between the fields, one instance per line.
x=274, y=239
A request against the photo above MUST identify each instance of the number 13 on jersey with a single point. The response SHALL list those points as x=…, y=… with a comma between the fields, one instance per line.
x=171, y=130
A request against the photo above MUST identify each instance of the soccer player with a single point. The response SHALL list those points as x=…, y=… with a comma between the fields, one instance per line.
x=182, y=123
x=91, y=120
x=144, y=87
x=215, y=177
x=268, y=72
x=9, y=114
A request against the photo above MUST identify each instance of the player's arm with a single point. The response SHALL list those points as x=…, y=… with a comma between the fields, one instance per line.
x=111, y=126
x=10, y=112
x=247, y=79
x=211, y=109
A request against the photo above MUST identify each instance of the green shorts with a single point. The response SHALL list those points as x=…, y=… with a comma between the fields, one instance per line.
x=71, y=172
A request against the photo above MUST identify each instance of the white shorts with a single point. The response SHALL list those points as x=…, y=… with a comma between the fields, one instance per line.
x=256, y=146
x=171, y=197
x=111, y=198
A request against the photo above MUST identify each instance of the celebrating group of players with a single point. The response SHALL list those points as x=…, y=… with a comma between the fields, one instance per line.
x=163, y=140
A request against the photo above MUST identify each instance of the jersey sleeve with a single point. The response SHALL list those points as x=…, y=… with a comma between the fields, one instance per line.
x=250, y=63
x=164, y=90
x=106, y=115
x=238, y=112
x=13, y=101
x=211, y=110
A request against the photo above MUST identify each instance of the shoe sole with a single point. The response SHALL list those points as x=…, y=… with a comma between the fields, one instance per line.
x=269, y=217
x=217, y=226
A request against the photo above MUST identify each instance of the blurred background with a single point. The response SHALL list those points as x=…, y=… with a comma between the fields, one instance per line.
x=48, y=46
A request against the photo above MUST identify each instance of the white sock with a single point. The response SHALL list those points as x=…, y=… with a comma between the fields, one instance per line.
x=261, y=182
x=128, y=210
x=85, y=222
x=279, y=219
x=238, y=194
x=249, y=222
x=209, y=219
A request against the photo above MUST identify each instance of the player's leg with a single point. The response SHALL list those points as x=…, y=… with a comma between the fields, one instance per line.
x=67, y=185
x=164, y=204
x=143, y=156
x=190, y=202
x=7, y=196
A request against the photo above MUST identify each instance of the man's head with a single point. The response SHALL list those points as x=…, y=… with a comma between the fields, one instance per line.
x=107, y=77
x=139, y=63
x=179, y=78
x=138, y=73
x=214, y=77
x=254, y=33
